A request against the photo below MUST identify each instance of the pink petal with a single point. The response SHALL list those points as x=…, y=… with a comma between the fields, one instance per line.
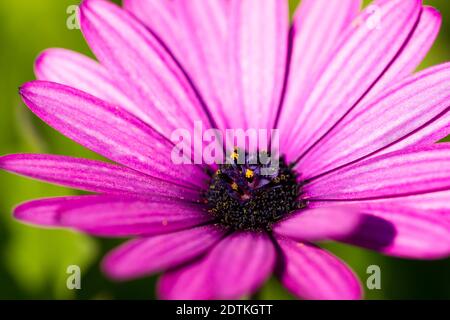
x=402, y=173
x=196, y=32
x=312, y=273
x=158, y=16
x=258, y=57
x=363, y=56
x=237, y=266
x=413, y=53
x=142, y=66
x=107, y=130
x=393, y=116
x=317, y=28
x=78, y=71
x=113, y=216
x=320, y=224
x=435, y=203
x=93, y=176
x=188, y=282
x=415, y=234
x=44, y=212
x=141, y=257
x=433, y=132
x=240, y=264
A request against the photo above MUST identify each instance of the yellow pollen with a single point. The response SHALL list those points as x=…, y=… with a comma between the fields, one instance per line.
x=235, y=156
x=234, y=186
x=249, y=174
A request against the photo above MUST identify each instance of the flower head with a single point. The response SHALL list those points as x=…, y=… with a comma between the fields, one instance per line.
x=358, y=163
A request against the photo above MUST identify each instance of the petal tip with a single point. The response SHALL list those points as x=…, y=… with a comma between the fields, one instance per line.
x=26, y=89
x=434, y=12
x=21, y=213
x=107, y=266
x=43, y=60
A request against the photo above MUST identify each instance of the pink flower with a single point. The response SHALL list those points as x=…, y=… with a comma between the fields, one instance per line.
x=357, y=130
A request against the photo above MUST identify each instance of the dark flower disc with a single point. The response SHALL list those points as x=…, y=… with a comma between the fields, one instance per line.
x=243, y=195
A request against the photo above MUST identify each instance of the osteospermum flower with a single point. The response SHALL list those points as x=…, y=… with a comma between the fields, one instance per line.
x=358, y=130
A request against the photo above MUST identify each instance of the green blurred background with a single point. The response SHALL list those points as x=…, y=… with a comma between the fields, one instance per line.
x=33, y=261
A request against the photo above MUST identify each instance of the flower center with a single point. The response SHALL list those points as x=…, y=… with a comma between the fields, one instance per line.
x=253, y=196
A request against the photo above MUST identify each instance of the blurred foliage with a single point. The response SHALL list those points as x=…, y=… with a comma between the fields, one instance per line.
x=33, y=261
